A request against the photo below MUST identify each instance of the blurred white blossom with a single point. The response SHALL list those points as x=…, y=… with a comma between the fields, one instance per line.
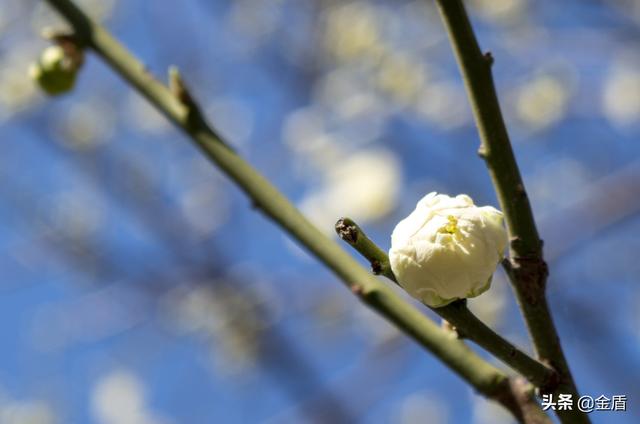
x=400, y=76
x=543, y=101
x=443, y=104
x=364, y=186
x=17, y=90
x=621, y=97
x=500, y=11
x=119, y=398
x=352, y=30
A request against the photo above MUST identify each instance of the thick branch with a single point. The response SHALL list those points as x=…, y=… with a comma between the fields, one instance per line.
x=529, y=271
x=179, y=107
x=456, y=313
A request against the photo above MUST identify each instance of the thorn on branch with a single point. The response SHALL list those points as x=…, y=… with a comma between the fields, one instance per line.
x=194, y=117
x=178, y=88
x=488, y=57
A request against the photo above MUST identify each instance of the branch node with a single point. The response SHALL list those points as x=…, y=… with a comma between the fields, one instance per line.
x=376, y=267
x=357, y=289
x=530, y=273
x=364, y=292
x=518, y=395
x=452, y=329
x=520, y=191
x=516, y=243
x=553, y=381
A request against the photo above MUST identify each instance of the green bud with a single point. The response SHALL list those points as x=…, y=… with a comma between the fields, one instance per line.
x=55, y=72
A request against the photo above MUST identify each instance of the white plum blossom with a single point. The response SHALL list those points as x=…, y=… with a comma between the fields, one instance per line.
x=447, y=249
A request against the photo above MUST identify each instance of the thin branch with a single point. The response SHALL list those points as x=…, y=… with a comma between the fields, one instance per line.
x=350, y=232
x=529, y=270
x=183, y=112
x=456, y=313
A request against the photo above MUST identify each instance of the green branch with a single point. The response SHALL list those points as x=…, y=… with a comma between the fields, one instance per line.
x=350, y=232
x=456, y=313
x=179, y=107
x=528, y=271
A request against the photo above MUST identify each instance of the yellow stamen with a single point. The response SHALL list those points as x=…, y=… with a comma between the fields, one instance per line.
x=452, y=226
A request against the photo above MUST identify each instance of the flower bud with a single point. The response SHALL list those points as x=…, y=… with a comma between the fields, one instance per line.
x=56, y=70
x=447, y=249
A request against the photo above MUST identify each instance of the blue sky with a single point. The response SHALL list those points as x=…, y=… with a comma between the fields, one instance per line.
x=138, y=285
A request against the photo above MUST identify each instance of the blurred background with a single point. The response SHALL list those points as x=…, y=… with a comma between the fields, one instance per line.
x=137, y=285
